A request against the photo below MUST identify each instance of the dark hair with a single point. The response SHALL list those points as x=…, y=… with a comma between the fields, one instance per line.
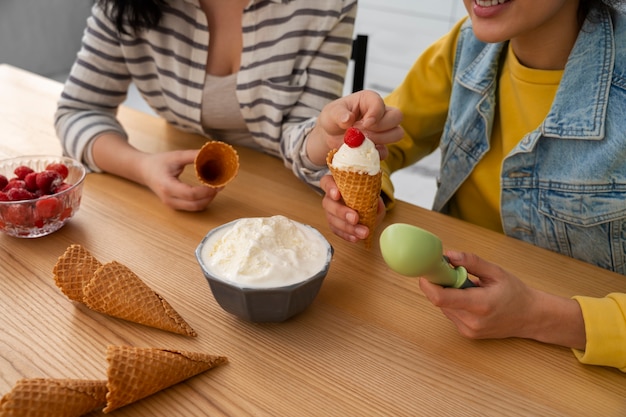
x=133, y=15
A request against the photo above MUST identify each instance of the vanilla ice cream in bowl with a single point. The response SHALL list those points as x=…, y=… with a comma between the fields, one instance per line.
x=264, y=269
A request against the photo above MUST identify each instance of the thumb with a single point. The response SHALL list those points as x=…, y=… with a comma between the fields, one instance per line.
x=485, y=271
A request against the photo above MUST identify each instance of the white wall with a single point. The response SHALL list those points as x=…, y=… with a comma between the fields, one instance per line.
x=42, y=36
x=399, y=30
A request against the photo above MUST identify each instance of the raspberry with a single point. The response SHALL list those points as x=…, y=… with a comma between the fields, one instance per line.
x=60, y=168
x=47, y=208
x=64, y=186
x=48, y=181
x=17, y=215
x=3, y=196
x=31, y=181
x=14, y=183
x=18, y=194
x=22, y=171
x=3, y=182
x=353, y=137
x=67, y=212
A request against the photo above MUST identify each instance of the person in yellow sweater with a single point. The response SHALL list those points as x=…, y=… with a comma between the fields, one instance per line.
x=526, y=101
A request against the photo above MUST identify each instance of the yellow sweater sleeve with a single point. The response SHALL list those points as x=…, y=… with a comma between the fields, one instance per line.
x=423, y=98
x=605, y=325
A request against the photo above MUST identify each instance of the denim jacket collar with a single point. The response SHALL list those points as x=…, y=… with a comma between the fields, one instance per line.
x=585, y=84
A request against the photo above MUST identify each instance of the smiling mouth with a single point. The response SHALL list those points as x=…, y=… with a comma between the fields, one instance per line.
x=489, y=3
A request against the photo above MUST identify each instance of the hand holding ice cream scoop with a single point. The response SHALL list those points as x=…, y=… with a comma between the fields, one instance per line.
x=415, y=252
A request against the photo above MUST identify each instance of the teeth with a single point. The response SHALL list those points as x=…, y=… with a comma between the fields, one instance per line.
x=488, y=3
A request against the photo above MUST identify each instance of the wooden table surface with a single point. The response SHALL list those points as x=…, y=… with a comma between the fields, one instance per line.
x=370, y=344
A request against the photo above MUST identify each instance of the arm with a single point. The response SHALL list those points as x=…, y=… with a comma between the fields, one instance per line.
x=325, y=81
x=157, y=171
x=503, y=306
x=89, y=130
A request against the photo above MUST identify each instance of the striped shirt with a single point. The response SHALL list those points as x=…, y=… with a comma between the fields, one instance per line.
x=294, y=59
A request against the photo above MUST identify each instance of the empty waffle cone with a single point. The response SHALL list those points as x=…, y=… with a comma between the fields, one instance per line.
x=360, y=192
x=216, y=164
x=42, y=397
x=135, y=373
x=117, y=291
x=72, y=271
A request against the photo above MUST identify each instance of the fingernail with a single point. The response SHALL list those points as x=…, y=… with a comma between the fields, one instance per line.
x=351, y=218
x=361, y=232
x=345, y=118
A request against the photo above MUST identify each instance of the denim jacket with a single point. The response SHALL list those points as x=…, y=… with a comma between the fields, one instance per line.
x=563, y=187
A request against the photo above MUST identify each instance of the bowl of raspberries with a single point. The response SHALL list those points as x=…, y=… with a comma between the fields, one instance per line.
x=38, y=194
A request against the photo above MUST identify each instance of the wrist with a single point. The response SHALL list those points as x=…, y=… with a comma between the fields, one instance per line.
x=556, y=320
x=316, y=146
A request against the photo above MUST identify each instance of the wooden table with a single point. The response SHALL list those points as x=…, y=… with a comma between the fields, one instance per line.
x=370, y=344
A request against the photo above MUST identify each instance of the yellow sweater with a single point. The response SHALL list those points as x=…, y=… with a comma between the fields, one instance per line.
x=524, y=98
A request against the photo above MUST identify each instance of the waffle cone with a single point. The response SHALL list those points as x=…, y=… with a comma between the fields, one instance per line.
x=117, y=291
x=135, y=373
x=216, y=164
x=360, y=192
x=41, y=397
x=72, y=271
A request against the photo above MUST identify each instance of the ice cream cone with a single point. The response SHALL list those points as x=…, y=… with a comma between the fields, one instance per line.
x=41, y=397
x=117, y=291
x=72, y=271
x=216, y=164
x=360, y=191
x=135, y=373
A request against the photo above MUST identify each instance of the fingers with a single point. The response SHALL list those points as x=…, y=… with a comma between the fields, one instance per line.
x=342, y=220
x=181, y=196
x=443, y=297
x=365, y=110
x=486, y=271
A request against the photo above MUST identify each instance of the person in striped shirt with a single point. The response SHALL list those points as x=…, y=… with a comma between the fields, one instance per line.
x=254, y=73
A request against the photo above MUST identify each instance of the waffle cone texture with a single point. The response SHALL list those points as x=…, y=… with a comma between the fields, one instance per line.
x=135, y=373
x=360, y=191
x=45, y=397
x=216, y=164
x=115, y=290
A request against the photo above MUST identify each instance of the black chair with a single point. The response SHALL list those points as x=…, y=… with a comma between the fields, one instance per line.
x=359, y=56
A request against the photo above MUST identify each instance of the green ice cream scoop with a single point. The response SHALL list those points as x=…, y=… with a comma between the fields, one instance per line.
x=415, y=252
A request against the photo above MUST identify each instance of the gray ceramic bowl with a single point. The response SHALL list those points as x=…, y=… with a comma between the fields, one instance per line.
x=261, y=305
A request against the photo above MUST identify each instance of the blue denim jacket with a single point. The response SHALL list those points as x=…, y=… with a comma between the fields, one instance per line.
x=564, y=184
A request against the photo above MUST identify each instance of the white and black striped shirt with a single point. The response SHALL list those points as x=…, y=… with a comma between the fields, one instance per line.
x=294, y=60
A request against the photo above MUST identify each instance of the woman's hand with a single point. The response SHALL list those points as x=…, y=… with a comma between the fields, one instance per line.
x=161, y=171
x=364, y=110
x=158, y=171
x=343, y=220
x=503, y=306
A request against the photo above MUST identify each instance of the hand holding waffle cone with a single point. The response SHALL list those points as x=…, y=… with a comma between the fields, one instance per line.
x=113, y=289
x=358, y=177
x=133, y=374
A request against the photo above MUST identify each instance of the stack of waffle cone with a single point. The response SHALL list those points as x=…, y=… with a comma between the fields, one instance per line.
x=135, y=373
x=360, y=191
x=113, y=289
x=43, y=397
x=216, y=164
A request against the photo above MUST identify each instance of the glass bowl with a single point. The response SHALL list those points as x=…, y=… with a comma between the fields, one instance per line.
x=264, y=304
x=47, y=213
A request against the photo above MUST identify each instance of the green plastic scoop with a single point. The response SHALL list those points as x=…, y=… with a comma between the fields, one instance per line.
x=415, y=252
